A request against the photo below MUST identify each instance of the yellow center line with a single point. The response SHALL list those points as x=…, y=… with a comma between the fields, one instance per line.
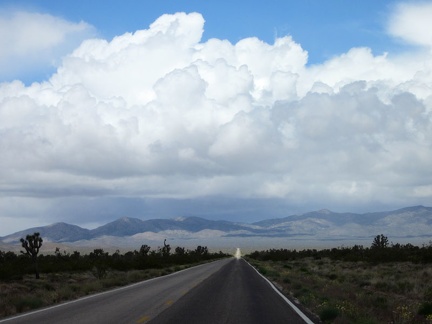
x=143, y=319
x=146, y=318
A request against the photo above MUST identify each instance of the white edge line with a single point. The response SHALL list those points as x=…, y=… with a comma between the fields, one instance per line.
x=294, y=307
x=99, y=294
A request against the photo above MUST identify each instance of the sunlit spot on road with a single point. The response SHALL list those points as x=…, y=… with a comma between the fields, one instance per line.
x=237, y=254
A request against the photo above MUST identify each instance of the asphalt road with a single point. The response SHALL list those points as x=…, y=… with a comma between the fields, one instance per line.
x=235, y=294
x=225, y=291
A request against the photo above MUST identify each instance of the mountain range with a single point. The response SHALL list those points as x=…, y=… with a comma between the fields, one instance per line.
x=411, y=223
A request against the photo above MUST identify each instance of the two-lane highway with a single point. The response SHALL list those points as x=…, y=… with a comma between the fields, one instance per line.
x=225, y=291
x=235, y=294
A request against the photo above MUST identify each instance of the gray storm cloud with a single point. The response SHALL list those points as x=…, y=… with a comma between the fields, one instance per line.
x=160, y=114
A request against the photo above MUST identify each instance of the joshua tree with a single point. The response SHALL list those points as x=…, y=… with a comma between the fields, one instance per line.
x=144, y=250
x=99, y=260
x=180, y=250
x=201, y=250
x=32, y=244
x=166, y=249
x=380, y=242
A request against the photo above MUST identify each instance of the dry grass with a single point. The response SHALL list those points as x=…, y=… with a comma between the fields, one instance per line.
x=356, y=292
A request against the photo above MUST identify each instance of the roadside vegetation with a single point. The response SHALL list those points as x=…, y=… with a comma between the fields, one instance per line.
x=30, y=281
x=384, y=283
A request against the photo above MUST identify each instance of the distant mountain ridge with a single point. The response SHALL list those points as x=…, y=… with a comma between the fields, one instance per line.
x=125, y=226
x=130, y=226
x=344, y=218
x=323, y=224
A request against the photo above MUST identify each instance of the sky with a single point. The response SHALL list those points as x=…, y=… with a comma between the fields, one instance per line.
x=221, y=109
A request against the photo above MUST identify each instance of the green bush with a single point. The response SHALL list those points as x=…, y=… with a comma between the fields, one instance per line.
x=100, y=271
x=381, y=302
x=382, y=285
x=91, y=287
x=65, y=293
x=114, y=281
x=428, y=294
x=328, y=313
x=425, y=309
x=404, y=287
x=27, y=302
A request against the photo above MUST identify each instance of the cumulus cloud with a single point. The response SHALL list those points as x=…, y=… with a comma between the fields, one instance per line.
x=411, y=22
x=29, y=40
x=159, y=114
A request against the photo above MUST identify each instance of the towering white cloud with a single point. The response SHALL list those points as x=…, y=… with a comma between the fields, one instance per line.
x=159, y=113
